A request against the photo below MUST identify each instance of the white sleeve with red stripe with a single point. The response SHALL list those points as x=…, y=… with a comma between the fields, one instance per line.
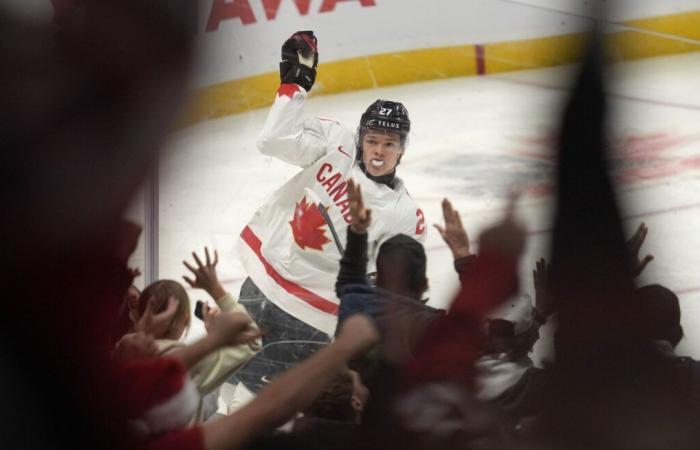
x=289, y=136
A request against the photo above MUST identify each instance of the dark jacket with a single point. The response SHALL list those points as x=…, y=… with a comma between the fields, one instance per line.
x=394, y=314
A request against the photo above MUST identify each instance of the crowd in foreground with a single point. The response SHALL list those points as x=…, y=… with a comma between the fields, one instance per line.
x=450, y=379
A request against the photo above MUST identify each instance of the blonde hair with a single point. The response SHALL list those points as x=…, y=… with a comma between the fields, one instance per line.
x=161, y=291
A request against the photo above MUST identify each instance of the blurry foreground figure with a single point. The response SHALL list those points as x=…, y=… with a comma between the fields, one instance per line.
x=83, y=109
x=610, y=389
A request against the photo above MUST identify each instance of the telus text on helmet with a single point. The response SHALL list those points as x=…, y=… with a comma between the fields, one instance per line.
x=385, y=124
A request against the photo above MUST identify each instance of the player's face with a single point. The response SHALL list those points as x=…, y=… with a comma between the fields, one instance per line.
x=380, y=152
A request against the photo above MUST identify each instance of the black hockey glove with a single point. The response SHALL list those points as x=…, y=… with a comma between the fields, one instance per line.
x=300, y=59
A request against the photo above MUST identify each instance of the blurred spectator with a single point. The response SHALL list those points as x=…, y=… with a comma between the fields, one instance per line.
x=437, y=406
x=337, y=412
x=213, y=370
x=661, y=314
x=140, y=343
x=177, y=399
x=609, y=388
x=82, y=115
x=294, y=390
x=396, y=302
x=128, y=313
x=506, y=376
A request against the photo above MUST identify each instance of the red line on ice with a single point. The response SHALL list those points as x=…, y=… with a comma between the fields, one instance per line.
x=689, y=290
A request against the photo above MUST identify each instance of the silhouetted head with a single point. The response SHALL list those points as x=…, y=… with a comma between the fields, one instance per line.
x=401, y=265
x=660, y=313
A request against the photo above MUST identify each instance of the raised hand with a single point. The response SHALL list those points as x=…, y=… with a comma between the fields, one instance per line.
x=453, y=233
x=634, y=244
x=135, y=272
x=360, y=217
x=230, y=329
x=506, y=237
x=544, y=303
x=157, y=324
x=205, y=274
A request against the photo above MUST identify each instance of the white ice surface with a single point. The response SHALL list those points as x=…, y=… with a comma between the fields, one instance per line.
x=473, y=140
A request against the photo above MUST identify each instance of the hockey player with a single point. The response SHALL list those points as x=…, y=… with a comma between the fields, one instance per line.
x=292, y=246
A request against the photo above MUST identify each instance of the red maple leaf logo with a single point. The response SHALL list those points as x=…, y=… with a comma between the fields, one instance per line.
x=307, y=226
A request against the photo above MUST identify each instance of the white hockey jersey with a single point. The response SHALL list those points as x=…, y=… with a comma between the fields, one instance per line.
x=292, y=246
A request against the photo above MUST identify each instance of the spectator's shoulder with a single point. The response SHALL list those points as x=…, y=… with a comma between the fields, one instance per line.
x=358, y=289
x=432, y=311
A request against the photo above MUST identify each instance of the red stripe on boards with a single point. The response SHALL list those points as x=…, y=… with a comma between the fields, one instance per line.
x=480, y=59
x=305, y=295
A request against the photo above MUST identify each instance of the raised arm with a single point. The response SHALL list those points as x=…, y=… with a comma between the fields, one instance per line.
x=452, y=343
x=634, y=244
x=294, y=390
x=456, y=238
x=287, y=134
x=353, y=264
x=227, y=329
x=212, y=370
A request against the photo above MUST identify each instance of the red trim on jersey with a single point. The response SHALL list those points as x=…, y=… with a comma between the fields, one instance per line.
x=305, y=295
x=288, y=89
